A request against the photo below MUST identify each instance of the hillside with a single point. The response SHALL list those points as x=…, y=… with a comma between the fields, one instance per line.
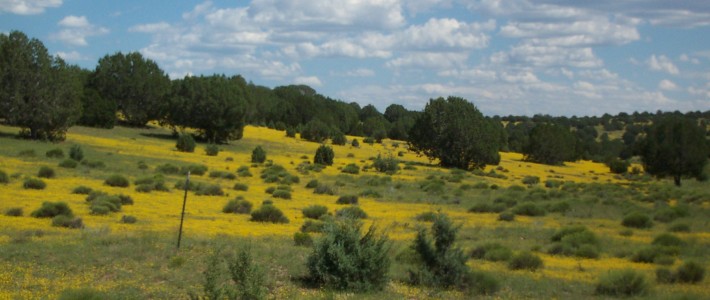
x=139, y=259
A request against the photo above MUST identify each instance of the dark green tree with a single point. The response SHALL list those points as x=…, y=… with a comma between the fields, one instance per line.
x=315, y=131
x=324, y=155
x=38, y=92
x=550, y=144
x=455, y=132
x=137, y=85
x=675, y=146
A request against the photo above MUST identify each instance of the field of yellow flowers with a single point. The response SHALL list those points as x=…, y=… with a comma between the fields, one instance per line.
x=138, y=260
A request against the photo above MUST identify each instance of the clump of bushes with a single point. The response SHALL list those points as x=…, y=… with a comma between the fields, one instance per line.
x=128, y=219
x=302, y=239
x=55, y=153
x=46, y=172
x=637, y=220
x=525, y=261
x=278, y=174
x=484, y=207
x=151, y=183
x=669, y=214
x=93, y=164
x=492, y=252
x=622, y=283
x=312, y=184
x=389, y=165
x=14, y=212
x=688, y=272
x=68, y=164
x=679, y=227
x=240, y=187
x=211, y=150
x=324, y=156
x=351, y=169
x=167, y=169
x=258, y=155
x=531, y=180
x=117, y=180
x=313, y=226
x=223, y=175
x=195, y=169
x=237, y=206
x=345, y=259
x=76, y=153
x=428, y=216
x=185, y=143
x=347, y=199
x=209, y=190
x=575, y=241
x=506, y=216
x=246, y=279
x=268, y=213
x=34, y=184
x=324, y=189
x=314, y=211
x=618, y=166
x=243, y=171
x=351, y=212
x=67, y=222
x=105, y=204
x=52, y=209
x=529, y=209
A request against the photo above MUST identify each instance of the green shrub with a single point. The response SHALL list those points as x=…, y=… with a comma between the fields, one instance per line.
x=355, y=143
x=243, y=171
x=241, y=187
x=370, y=193
x=484, y=207
x=211, y=150
x=338, y=138
x=314, y=211
x=237, y=206
x=76, y=153
x=647, y=254
x=3, y=177
x=345, y=259
x=553, y=184
x=669, y=214
x=679, y=227
x=428, y=216
x=290, y=132
x=529, y=209
x=185, y=143
x=34, y=184
x=690, y=272
x=142, y=165
x=283, y=194
x=324, y=156
x=351, y=169
x=531, y=180
x=618, y=166
x=313, y=226
x=637, y=220
x=268, y=213
x=125, y=199
x=388, y=165
x=492, y=252
x=347, y=199
x=324, y=189
x=525, y=261
x=209, y=190
x=664, y=275
x=246, y=278
x=68, y=164
x=52, y=209
x=194, y=169
x=312, y=184
x=222, y=174
x=128, y=219
x=506, y=216
x=302, y=239
x=55, y=153
x=105, y=204
x=46, y=172
x=351, y=212
x=168, y=169
x=94, y=194
x=14, y=212
x=258, y=155
x=67, y=222
x=117, y=180
x=668, y=240
x=622, y=283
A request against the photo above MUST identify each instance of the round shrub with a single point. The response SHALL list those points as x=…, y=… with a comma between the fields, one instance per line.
x=324, y=189
x=618, y=166
x=485, y=207
x=268, y=213
x=525, y=261
x=55, y=153
x=81, y=190
x=324, y=156
x=211, y=150
x=128, y=219
x=339, y=138
x=3, y=177
x=68, y=164
x=241, y=187
x=185, y=143
x=117, y=180
x=105, y=204
x=194, y=169
x=52, y=209
x=237, y=206
x=355, y=143
x=351, y=169
x=351, y=212
x=302, y=239
x=637, y=220
x=530, y=180
x=690, y=272
x=209, y=190
x=529, y=209
x=144, y=188
x=622, y=283
x=14, y=212
x=283, y=194
x=668, y=240
x=67, y=222
x=125, y=199
x=492, y=252
x=34, y=184
x=314, y=211
x=312, y=184
x=388, y=165
x=679, y=227
x=506, y=216
x=76, y=153
x=46, y=172
x=167, y=169
x=258, y=155
x=347, y=199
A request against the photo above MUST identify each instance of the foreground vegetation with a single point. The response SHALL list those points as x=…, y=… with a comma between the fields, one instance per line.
x=529, y=230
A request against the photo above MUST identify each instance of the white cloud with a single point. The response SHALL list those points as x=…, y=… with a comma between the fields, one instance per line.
x=150, y=28
x=71, y=55
x=662, y=63
x=308, y=80
x=591, y=32
x=428, y=60
x=359, y=72
x=76, y=30
x=27, y=7
x=548, y=56
x=667, y=85
x=445, y=33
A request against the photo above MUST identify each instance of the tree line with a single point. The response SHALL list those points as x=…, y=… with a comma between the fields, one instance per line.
x=44, y=96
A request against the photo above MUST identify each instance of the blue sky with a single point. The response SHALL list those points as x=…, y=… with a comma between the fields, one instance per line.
x=518, y=57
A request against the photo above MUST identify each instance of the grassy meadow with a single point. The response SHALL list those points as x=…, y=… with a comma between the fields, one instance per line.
x=139, y=260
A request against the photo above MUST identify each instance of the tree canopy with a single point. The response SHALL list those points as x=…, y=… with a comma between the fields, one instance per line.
x=550, y=144
x=455, y=132
x=675, y=146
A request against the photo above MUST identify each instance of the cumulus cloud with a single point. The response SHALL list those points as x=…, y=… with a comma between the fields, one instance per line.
x=71, y=55
x=308, y=80
x=667, y=85
x=662, y=63
x=150, y=28
x=428, y=60
x=27, y=7
x=75, y=30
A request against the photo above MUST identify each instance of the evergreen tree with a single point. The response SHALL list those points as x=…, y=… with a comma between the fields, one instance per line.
x=550, y=144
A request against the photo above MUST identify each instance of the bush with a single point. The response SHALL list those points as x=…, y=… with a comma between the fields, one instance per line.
x=525, y=261
x=241, y=187
x=324, y=189
x=351, y=212
x=3, y=177
x=34, y=184
x=14, y=212
x=315, y=131
x=669, y=214
x=67, y=222
x=52, y=209
x=105, y=204
x=268, y=213
x=313, y=226
x=128, y=219
x=351, y=169
x=618, y=166
x=258, y=155
x=302, y=239
x=664, y=275
x=370, y=193
x=209, y=190
x=211, y=150
x=622, y=283
x=388, y=165
x=312, y=184
x=690, y=272
x=355, y=143
x=185, y=143
x=55, y=153
x=283, y=194
x=529, y=209
x=194, y=169
x=506, y=216
x=290, y=132
x=492, y=252
x=679, y=227
x=247, y=279
x=347, y=199
x=167, y=169
x=68, y=164
x=223, y=174
x=339, y=138
x=314, y=211
x=117, y=180
x=237, y=206
x=637, y=220
x=668, y=240
x=487, y=208
x=125, y=199
x=324, y=156
x=345, y=259
x=46, y=172
x=76, y=153
x=429, y=216
x=531, y=180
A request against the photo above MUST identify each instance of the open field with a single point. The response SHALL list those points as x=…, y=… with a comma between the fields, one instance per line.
x=139, y=260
